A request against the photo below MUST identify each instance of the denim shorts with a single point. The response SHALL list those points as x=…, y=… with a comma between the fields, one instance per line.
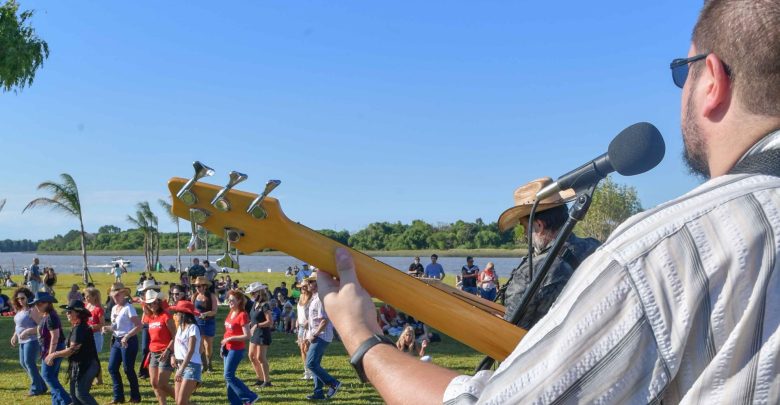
x=192, y=371
x=208, y=326
x=156, y=362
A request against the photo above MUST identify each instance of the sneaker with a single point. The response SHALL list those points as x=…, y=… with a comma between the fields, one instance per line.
x=258, y=383
x=316, y=397
x=305, y=376
x=333, y=389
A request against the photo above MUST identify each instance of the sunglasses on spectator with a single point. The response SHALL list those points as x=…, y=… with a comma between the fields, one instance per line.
x=22, y=297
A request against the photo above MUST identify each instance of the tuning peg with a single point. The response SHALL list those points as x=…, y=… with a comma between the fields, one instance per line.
x=256, y=208
x=231, y=236
x=201, y=171
x=220, y=202
x=197, y=217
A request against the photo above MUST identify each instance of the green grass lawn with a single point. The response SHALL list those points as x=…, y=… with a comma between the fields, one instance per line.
x=284, y=359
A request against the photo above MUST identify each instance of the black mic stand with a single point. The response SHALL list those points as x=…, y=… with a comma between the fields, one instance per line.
x=576, y=213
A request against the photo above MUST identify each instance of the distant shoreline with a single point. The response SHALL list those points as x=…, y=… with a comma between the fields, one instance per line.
x=374, y=253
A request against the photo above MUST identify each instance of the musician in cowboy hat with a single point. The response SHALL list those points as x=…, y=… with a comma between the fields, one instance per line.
x=551, y=214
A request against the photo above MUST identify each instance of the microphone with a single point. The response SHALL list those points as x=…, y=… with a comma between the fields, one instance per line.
x=634, y=150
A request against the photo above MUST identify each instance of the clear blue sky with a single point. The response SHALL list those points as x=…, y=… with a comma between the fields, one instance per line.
x=367, y=111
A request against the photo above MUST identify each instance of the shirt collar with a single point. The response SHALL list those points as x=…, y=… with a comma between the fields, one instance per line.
x=768, y=142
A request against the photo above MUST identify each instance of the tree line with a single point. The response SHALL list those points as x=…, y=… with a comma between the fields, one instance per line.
x=612, y=204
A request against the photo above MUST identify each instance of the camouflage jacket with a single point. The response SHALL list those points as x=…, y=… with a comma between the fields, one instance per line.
x=573, y=253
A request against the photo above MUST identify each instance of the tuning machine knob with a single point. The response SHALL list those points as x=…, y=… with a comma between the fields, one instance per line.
x=221, y=202
x=256, y=209
x=185, y=194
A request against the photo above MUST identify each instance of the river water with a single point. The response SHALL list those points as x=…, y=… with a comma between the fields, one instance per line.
x=13, y=261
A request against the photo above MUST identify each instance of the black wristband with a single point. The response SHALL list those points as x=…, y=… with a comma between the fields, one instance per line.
x=357, y=358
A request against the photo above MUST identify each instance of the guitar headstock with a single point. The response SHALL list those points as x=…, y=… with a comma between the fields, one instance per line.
x=250, y=222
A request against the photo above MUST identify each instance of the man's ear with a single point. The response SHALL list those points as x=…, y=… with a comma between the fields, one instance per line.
x=717, y=91
x=538, y=225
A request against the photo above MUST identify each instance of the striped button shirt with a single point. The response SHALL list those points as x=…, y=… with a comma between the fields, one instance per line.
x=680, y=305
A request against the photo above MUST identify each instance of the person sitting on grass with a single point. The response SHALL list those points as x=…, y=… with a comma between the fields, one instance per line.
x=287, y=316
x=276, y=313
x=408, y=344
x=74, y=294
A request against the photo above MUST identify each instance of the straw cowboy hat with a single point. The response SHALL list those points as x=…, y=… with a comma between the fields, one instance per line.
x=524, y=199
x=117, y=288
x=202, y=281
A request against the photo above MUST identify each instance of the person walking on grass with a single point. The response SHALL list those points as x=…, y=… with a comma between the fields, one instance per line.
x=302, y=326
x=320, y=336
x=205, y=302
x=186, y=352
x=234, y=342
x=83, y=364
x=161, y=331
x=25, y=335
x=260, y=322
x=125, y=326
x=96, y=322
x=52, y=340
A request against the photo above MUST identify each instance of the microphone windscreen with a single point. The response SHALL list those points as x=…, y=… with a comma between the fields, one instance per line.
x=636, y=149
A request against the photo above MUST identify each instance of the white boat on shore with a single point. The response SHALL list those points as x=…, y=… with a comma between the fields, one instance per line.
x=121, y=261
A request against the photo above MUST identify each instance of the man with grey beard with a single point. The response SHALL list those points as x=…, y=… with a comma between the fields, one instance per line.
x=548, y=221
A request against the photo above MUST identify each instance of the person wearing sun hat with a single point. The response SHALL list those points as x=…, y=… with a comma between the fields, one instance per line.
x=146, y=285
x=83, y=364
x=186, y=351
x=161, y=331
x=52, y=340
x=551, y=214
x=206, y=303
x=125, y=326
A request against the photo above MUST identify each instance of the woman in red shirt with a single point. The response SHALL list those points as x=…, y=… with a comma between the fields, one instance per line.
x=95, y=322
x=161, y=332
x=234, y=343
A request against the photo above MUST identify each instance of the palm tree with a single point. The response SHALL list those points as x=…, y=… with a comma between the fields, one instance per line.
x=169, y=210
x=147, y=222
x=65, y=198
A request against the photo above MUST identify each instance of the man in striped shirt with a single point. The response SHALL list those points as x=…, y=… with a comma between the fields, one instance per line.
x=681, y=303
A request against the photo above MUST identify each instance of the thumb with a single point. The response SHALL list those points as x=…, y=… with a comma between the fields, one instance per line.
x=345, y=267
x=326, y=285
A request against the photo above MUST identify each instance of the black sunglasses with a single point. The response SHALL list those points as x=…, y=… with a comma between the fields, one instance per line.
x=680, y=68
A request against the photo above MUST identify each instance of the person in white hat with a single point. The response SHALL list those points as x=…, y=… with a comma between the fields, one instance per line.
x=260, y=322
x=161, y=331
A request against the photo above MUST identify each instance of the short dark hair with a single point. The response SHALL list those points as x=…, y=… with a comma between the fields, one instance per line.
x=553, y=218
x=434, y=256
x=469, y=258
x=745, y=36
